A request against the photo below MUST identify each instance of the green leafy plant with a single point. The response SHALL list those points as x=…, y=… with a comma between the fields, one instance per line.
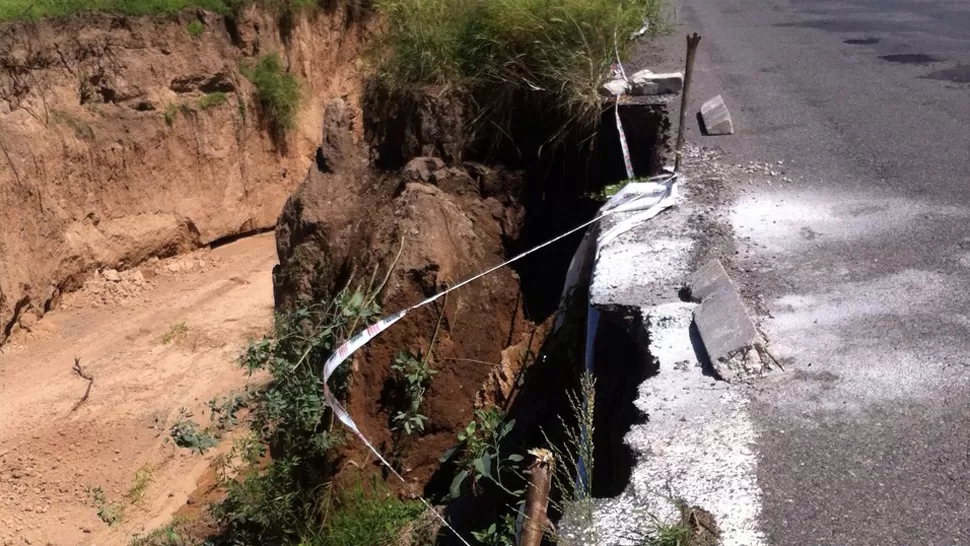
x=479, y=452
x=211, y=100
x=188, y=434
x=169, y=535
x=108, y=512
x=286, y=500
x=277, y=92
x=223, y=411
x=501, y=533
x=195, y=28
x=414, y=375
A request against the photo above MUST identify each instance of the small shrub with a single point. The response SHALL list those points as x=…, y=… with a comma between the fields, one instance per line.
x=212, y=100
x=222, y=411
x=188, y=434
x=277, y=92
x=108, y=512
x=414, y=376
x=479, y=452
x=195, y=28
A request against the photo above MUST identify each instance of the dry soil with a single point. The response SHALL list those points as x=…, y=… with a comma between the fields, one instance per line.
x=50, y=456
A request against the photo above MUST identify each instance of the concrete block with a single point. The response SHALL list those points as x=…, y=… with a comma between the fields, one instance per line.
x=646, y=82
x=707, y=280
x=724, y=327
x=614, y=88
x=717, y=118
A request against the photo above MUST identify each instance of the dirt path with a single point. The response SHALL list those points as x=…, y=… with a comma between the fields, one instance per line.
x=50, y=456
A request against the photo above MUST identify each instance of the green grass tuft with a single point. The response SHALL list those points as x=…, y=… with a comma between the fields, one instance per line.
x=195, y=28
x=38, y=9
x=211, y=100
x=277, y=92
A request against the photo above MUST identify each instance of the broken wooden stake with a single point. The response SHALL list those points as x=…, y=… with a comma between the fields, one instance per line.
x=537, y=497
x=692, y=41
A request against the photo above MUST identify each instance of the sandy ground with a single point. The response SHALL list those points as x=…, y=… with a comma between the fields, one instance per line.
x=50, y=456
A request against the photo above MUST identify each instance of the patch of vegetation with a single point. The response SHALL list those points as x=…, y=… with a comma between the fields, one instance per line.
x=175, y=332
x=108, y=512
x=211, y=100
x=414, y=377
x=552, y=55
x=222, y=411
x=372, y=516
x=170, y=535
x=188, y=434
x=143, y=478
x=501, y=533
x=479, y=453
x=277, y=93
x=287, y=500
x=171, y=112
x=195, y=28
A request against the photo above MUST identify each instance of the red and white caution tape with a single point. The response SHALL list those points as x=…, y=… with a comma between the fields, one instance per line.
x=637, y=198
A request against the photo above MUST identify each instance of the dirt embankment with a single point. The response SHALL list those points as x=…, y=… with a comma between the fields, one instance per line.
x=435, y=225
x=111, y=152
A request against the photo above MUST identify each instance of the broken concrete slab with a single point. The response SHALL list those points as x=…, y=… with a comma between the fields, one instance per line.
x=614, y=88
x=716, y=117
x=646, y=82
x=723, y=326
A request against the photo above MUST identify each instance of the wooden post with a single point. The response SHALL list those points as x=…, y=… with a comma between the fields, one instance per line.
x=537, y=497
x=692, y=41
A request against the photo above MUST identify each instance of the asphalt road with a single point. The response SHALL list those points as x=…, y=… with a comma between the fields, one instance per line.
x=863, y=257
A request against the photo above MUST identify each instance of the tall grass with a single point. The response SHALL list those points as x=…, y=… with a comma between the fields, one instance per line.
x=37, y=9
x=554, y=53
x=278, y=93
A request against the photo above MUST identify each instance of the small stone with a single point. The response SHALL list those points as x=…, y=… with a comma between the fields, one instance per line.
x=111, y=275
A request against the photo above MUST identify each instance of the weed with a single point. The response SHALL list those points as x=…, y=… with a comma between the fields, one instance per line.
x=195, y=28
x=171, y=112
x=175, y=332
x=242, y=108
x=186, y=109
x=574, y=473
x=211, y=100
x=222, y=411
x=170, y=535
x=108, y=512
x=479, y=452
x=188, y=434
x=277, y=92
x=414, y=376
x=143, y=478
x=497, y=534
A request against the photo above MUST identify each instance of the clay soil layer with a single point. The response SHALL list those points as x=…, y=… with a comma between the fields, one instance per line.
x=50, y=456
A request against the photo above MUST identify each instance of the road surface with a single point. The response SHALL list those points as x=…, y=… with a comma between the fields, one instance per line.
x=863, y=257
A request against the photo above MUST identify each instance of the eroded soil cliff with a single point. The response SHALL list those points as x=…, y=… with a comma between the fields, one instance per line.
x=123, y=138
